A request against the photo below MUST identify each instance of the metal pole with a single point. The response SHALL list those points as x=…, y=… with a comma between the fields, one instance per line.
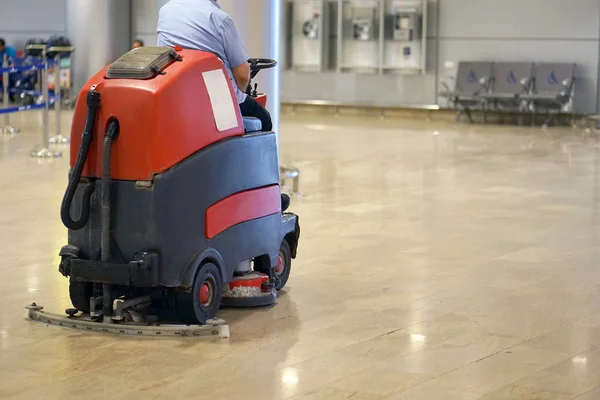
x=263, y=40
x=6, y=129
x=109, y=37
x=58, y=138
x=45, y=152
x=5, y=78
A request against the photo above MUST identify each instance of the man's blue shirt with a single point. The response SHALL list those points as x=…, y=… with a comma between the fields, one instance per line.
x=202, y=25
x=10, y=52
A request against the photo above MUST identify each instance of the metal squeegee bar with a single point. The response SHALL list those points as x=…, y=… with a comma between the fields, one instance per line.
x=216, y=328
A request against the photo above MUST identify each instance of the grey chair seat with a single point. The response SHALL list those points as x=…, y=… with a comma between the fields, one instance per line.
x=540, y=96
x=500, y=96
x=549, y=99
x=252, y=124
x=462, y=95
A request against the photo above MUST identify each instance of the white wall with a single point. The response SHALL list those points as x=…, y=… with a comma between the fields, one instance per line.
x=144, y=16
x=21, y=20
x=100, y=31
x=530, y=30
x=499, y=30
x=490, y=30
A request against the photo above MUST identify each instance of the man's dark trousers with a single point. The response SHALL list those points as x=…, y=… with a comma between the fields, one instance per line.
x=250, y=108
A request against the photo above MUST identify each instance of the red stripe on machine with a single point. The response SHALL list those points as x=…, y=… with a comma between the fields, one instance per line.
x=242, y=207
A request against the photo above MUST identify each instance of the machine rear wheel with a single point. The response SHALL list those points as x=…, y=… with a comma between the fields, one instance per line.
x=202, y=303
x=284, y=265
x=80, y=293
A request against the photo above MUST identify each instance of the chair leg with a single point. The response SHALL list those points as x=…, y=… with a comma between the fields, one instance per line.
x=468, y=112
x=458, y=114
x=551, y=117
x=521, y=117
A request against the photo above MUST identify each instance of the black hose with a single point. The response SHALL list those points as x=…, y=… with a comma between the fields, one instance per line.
x=112, y=131
x=93, y=103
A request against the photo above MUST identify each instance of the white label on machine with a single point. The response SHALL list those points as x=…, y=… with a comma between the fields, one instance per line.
x=223, y=104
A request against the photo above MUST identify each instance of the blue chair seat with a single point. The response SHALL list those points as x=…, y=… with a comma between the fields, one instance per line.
x=252, y=124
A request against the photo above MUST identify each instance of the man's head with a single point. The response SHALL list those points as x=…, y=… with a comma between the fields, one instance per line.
x=2, y=44
x=137, y=44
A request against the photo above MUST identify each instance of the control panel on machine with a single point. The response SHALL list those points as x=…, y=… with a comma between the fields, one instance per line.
x=257, y=65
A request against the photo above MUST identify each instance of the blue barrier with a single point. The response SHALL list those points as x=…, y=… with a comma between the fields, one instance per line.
x=12, y=70
x=10, y=110
x=26, y=92
x=24, y=68
x=34, y=65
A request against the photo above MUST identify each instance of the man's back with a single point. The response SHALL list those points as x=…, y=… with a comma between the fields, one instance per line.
x=202, y=25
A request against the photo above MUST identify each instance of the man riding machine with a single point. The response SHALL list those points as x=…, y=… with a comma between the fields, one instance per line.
x=173, y=199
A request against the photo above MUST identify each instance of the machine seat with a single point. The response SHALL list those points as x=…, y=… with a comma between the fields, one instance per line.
x=252, y=124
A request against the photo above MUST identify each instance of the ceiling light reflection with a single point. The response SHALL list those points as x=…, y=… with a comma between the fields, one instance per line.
x=579, y=360
x=290, y=378
x=415, y=337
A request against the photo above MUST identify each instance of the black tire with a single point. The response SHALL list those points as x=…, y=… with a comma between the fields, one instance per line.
x=80, y=293
x=203, y=301
x=283, y=272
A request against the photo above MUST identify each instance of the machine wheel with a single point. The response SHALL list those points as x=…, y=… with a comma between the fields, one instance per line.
x=202, y=303
x=80, y=293
x=284, y=265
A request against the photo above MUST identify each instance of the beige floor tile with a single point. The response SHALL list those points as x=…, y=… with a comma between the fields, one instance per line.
x=336, y=394
x=526, y=325
x=439, y=359
x=521, y=393
x=593, y=321
x=386, y=347
x=570, y=339
x=575, y=376
x=384, y=380
x=440, y=329
x=498, y=370
x=481, y=338
x=432, y=266
x=431, y=390
x=593, y=394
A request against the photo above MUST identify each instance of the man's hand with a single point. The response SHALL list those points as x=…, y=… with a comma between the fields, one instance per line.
x=241, y=74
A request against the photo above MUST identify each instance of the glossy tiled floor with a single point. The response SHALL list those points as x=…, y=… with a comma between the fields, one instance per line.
x=437, y=262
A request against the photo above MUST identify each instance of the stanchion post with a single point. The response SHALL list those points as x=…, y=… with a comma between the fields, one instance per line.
x=58, y=138
x=7, y=128
x=45, y=152
x=286, y=173
x=5, y=78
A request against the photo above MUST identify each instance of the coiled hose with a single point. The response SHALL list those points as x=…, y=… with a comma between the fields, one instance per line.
x=93, y=103
x=112, y=131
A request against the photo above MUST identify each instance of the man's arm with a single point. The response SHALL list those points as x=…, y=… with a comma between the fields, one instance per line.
x=236, y=53
x=241, y=74
x=11, y=52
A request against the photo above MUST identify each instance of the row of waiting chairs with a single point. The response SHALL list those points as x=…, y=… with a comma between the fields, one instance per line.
x=523, y=87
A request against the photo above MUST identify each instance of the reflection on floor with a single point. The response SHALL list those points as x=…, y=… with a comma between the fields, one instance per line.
x=437, y=261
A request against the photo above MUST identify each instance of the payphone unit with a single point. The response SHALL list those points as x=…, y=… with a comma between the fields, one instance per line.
x=309, y=23
x=405, y=25
x=404, y=47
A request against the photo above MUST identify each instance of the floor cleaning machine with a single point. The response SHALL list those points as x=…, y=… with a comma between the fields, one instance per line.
x=173, y=198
